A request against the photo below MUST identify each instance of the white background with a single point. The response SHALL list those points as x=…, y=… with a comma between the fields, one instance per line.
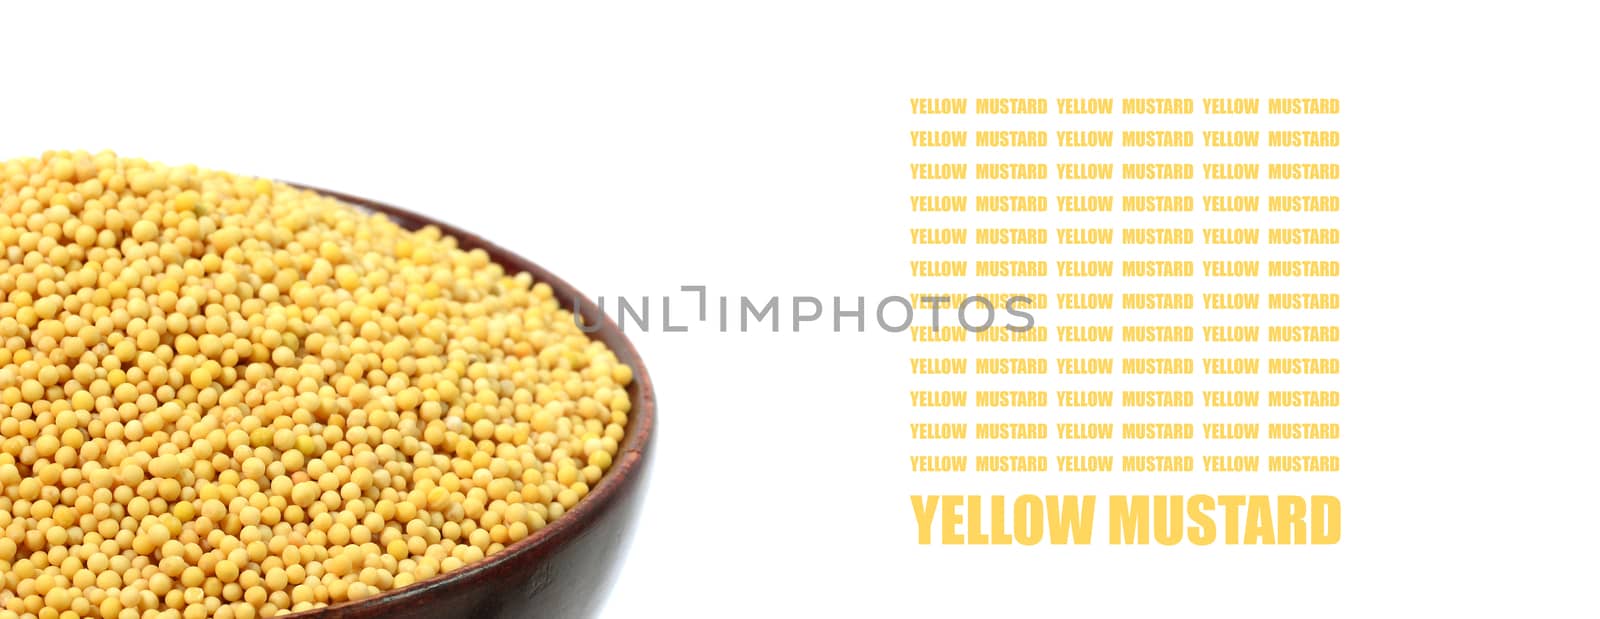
x=761, y=151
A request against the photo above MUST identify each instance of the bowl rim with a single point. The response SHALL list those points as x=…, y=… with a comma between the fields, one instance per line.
x=625, y=471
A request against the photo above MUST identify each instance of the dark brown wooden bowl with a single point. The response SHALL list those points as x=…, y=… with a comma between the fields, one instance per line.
x=565, y=569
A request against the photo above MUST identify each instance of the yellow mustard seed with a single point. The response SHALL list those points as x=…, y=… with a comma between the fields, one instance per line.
x=222, y=396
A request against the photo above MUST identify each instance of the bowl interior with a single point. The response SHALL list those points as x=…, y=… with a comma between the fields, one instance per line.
x=626, y=470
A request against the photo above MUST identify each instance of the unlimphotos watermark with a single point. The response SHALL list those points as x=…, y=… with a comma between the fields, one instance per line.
x=892, y=313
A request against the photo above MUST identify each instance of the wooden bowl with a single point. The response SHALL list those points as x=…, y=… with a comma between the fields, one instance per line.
x=565, y=569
